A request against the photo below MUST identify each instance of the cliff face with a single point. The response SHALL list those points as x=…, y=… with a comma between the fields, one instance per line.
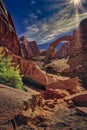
x=9, y=39
x=28, y=49
x=78, y=51
x=79, y=43
x=63, y=51
x=8, y=35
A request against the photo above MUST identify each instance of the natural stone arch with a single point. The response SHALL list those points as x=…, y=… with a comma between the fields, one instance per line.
x=53, y=45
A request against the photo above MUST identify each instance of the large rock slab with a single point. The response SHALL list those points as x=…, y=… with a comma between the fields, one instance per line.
x=82, y=110
x=68, y=84
x=52, y=94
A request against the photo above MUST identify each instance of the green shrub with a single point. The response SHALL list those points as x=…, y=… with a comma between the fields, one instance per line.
x=10, y=75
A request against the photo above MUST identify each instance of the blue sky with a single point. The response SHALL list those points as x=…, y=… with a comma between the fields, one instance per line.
x=44, y=20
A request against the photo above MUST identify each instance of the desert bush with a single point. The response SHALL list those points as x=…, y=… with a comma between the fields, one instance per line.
x=9, y=74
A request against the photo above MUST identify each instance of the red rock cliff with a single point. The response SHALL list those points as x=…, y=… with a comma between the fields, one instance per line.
x=78, y=49
x=8, y=35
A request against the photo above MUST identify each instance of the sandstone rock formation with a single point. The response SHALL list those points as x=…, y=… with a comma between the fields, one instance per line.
x=67, y=84
x=78, y=51
x=63, y=52
x=8, y=37
x=28, y=49
x=12, y=48
x=53, y=45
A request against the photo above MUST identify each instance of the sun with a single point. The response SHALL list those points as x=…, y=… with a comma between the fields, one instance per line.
x=76, y=3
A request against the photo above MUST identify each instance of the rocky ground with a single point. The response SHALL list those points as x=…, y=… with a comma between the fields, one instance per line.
x=62, y=119
x=67, y=119
x=36, y=111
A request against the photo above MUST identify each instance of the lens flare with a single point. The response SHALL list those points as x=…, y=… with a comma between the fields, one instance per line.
x=76, y=3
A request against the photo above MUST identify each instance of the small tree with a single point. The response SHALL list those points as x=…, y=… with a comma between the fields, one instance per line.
x=8, y=74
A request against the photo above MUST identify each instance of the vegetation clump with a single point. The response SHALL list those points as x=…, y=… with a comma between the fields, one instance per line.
x=9, y=74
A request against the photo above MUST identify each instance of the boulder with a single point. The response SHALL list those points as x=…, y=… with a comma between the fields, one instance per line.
x=57, y=66
x=52, y=94
x=82, y=110
x=79, y=99
x=68, y=84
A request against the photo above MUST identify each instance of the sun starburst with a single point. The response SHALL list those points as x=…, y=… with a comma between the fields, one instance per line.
x=76, y=3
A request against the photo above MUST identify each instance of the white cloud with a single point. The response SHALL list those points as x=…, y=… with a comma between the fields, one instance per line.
x=60, y=23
